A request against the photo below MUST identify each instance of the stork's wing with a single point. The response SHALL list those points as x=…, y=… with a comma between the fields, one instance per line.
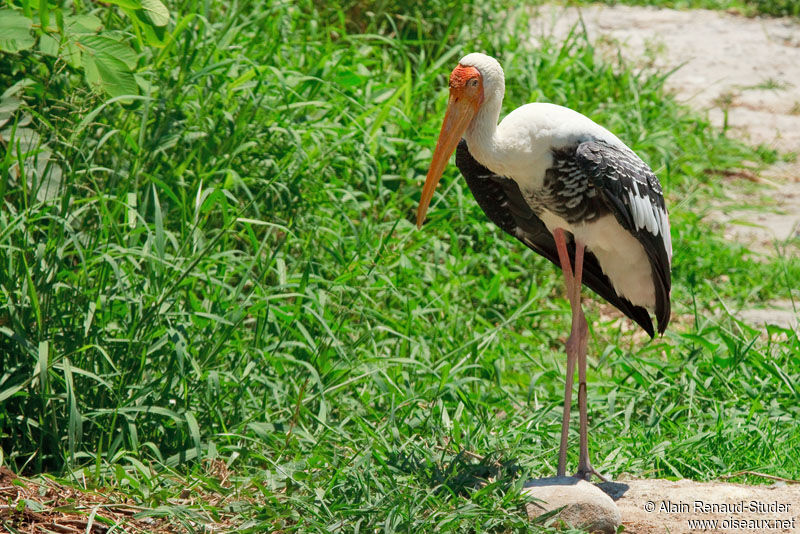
x=502, y=201
x=633, y=194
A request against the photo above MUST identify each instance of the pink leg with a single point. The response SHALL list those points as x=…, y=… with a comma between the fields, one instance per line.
x=563, y=256
x=585, y=469
x=576, y=352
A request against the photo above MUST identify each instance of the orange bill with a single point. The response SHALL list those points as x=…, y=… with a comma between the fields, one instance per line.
x=459, y=114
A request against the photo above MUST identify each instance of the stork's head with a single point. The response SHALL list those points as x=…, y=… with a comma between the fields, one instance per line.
x=476, y=79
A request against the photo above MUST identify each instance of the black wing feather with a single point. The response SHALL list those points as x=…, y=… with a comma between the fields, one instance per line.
x=618, y=174
x=502, y=201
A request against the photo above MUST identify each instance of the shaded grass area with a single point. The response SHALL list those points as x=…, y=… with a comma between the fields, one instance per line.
x=229, y=274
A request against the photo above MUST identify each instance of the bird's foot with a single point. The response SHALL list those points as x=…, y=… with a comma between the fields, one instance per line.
x=586, y=472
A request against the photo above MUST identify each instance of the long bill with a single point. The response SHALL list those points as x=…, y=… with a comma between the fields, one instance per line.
x=459, y=114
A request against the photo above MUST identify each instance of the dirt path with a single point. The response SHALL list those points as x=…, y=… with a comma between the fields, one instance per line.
x=749, y=68
x=745, y=73
x=656, y=506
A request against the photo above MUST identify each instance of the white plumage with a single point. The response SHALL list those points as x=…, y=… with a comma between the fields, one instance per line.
x=571, y=191
x=521, y=147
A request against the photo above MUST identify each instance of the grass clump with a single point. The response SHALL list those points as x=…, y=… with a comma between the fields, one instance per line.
x=225, y=272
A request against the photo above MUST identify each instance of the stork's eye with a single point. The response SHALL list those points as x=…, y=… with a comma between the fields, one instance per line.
x=473, y=82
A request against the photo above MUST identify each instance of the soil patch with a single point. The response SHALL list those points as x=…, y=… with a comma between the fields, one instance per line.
x=745, y=69
x=655, y=506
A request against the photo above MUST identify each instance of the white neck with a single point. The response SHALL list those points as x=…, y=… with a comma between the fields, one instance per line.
x=486, y=144
x=481, y=134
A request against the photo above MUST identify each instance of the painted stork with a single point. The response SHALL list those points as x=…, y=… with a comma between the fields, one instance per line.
x=571, y=191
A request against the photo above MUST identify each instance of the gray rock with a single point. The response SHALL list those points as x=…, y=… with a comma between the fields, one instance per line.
x=582, y=504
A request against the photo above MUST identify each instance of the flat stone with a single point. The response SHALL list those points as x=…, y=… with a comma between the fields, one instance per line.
x=582, y=504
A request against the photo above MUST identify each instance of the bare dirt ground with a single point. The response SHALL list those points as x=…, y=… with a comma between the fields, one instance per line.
x=651, y=506
x=747, y=67
x=745, y=73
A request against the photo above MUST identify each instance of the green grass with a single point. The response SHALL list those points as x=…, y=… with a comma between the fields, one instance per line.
x=229, y=275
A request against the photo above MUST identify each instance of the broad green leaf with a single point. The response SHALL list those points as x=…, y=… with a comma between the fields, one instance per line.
x=109, y=75
x=84, y=24
x=17, y=88
x=108, y=64
x=73, y=54
x=15, y=34
x=154, y=35
x=146, y=32
x=8, y=106
x=144, y=84
x=349, y=79
x=48, y=45
x=156, y=12
x=103, y=46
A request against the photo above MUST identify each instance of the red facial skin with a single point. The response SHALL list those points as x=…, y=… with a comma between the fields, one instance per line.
x=466, y=97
